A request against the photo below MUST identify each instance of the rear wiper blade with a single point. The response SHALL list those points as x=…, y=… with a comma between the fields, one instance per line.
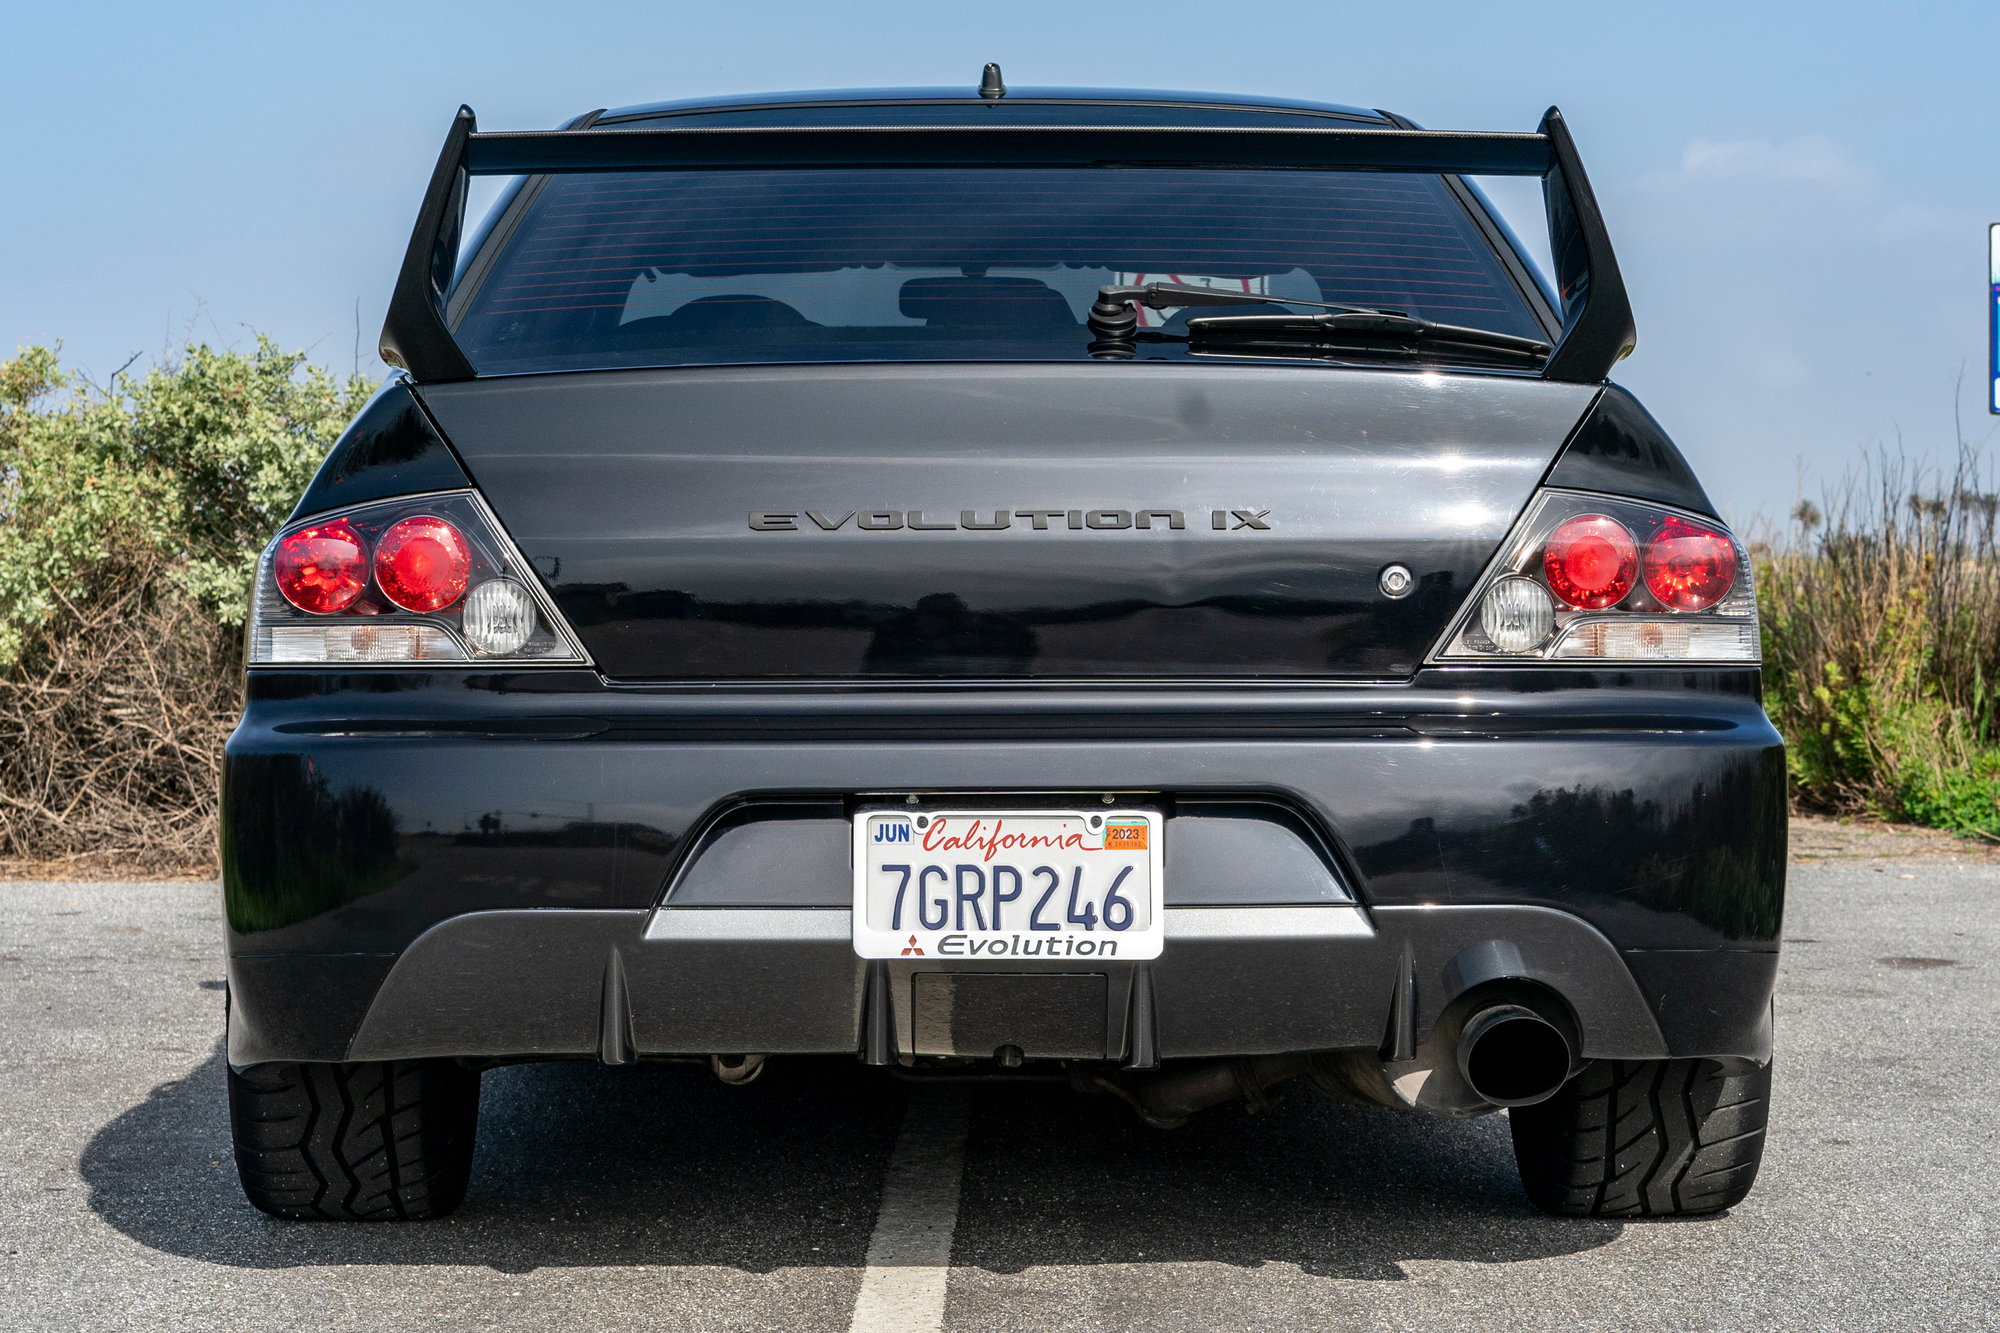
x=1114, y=303
x=1114, y=317
x=1355, y=330
x=1114, y=320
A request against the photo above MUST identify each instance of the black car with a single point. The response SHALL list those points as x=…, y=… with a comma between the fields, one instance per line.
x=1148, y=586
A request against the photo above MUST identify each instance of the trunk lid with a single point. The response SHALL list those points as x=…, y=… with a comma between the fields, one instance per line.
x=1162, y=521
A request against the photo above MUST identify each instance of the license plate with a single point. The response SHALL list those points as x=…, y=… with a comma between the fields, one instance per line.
x=1067, y=885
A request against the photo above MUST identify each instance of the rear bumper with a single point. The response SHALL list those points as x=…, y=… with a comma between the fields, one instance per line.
x=420, y=866
x=620, y=985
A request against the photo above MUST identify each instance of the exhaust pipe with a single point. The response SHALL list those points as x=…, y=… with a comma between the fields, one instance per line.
x=737, y=1070
x=1507, y=1055
x=1512, y=1056
x=1165, y=1100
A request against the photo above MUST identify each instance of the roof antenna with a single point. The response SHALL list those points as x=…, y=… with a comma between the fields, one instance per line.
x=990, y=86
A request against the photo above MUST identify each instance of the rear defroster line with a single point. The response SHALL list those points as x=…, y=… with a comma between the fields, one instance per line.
x=909, y=1254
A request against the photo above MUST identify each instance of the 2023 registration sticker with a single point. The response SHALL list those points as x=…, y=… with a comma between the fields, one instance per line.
x=1041, y=885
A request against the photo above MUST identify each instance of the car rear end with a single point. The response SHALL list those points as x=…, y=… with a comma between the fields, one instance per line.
x=762, y=623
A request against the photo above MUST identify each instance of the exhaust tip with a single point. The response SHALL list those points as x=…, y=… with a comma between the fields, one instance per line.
x=1512, y=1056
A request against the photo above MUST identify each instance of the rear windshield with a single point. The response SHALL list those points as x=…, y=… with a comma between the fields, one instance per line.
x=947, y=264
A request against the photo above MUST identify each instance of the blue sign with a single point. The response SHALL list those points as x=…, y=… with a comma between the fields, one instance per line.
x=1993, y=312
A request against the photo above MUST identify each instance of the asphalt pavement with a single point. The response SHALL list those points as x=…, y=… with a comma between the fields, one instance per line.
x=826, y=1196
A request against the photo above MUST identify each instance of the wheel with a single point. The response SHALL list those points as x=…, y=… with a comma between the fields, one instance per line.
x=1645, y=1138
x=387, y=1141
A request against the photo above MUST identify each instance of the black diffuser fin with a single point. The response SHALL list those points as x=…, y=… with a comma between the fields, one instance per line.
x=615, y=1045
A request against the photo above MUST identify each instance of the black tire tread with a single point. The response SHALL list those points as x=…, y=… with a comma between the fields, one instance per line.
x=372, y=1142
x=1645, y=1138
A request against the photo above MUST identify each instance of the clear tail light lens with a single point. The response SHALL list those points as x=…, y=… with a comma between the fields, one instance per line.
x=1586, y=577
x=360, y=641
x=430, y=579
x=499, y=617
x=1516, y=615
x=1638, y=640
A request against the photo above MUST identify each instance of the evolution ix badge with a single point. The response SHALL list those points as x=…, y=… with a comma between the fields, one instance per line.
x=1040, y=520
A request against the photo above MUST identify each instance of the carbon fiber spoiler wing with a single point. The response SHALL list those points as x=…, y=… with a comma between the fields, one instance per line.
x=1596, y=315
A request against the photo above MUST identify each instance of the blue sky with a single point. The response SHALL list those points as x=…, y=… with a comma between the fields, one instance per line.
x=1799, y=193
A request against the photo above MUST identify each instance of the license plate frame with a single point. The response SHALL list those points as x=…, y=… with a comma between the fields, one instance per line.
x=989, y=836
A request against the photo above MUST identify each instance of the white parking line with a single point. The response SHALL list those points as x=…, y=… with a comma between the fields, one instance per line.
x=909, y=1255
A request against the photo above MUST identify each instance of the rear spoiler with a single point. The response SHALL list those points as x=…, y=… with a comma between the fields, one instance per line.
x=1596, y=316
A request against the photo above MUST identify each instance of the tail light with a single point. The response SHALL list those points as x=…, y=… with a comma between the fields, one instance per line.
x=1590, y=561
x=1689, y=566
x=1588, y=577
x=432, y=579
x=322, y=568
x=422, y=563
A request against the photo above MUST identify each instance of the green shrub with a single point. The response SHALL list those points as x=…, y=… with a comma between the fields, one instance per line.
x=1881, y=633
x=130, y=521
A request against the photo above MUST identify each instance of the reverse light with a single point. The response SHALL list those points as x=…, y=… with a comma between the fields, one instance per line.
x=1588, y=577
x=1689, y=566
x=421, y=564
x=1516, y=615
x=499, y=617
x=430, y=578
x=323, y=568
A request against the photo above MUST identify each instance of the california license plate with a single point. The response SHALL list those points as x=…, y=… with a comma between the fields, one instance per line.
x=1067, y=885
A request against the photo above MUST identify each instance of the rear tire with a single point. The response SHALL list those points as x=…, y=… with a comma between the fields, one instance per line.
x=385, y=1141
x=1645, y=1138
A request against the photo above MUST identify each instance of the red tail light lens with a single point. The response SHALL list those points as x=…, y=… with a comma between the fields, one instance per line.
x=1689, y=566
x=322, y=569
x=1591, y=561
x=422, y=563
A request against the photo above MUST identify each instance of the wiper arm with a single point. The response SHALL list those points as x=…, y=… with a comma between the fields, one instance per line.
x=1353, y=330
x=1114, y=316
x=1368, y=330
